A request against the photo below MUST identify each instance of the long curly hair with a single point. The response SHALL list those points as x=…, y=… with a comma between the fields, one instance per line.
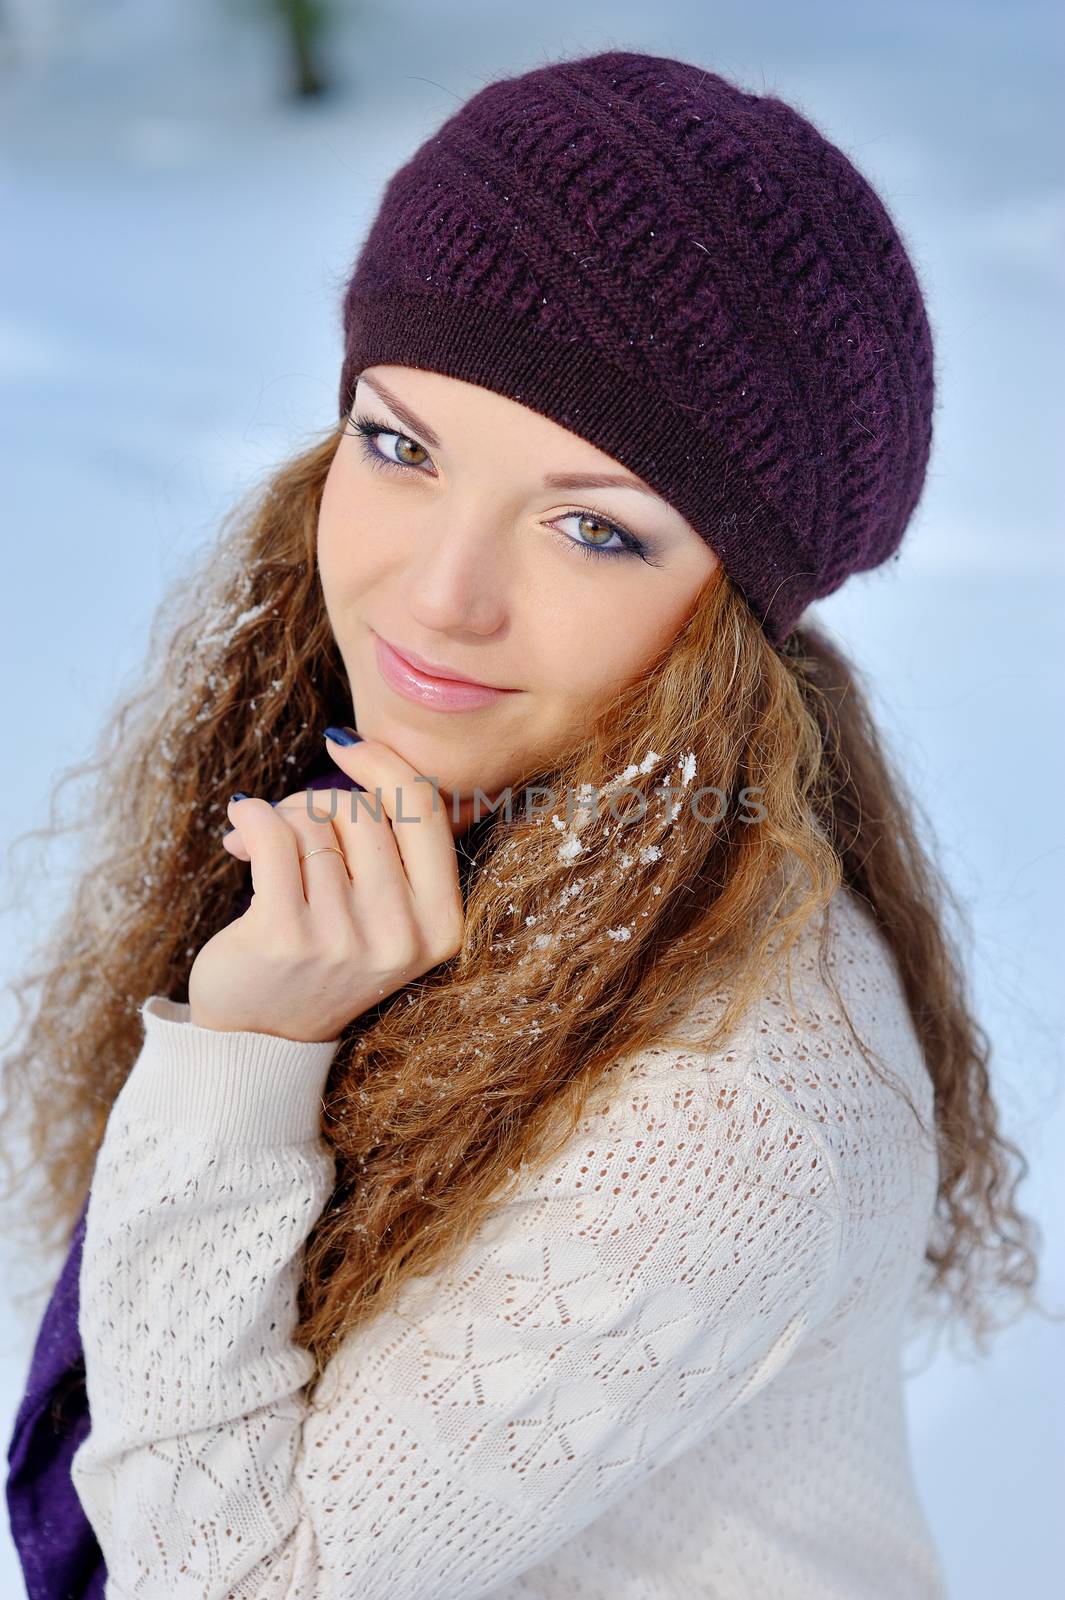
x=579, y=946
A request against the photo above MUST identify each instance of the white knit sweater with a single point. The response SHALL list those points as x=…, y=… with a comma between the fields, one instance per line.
x=668, y=1366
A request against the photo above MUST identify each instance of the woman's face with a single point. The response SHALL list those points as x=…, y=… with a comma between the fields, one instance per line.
x=443, y=534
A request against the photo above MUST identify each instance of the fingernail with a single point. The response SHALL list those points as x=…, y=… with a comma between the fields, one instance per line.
x=343, y=735
x=240, y=795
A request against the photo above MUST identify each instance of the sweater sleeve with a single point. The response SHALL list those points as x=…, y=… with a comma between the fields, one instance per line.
x=617, y=1305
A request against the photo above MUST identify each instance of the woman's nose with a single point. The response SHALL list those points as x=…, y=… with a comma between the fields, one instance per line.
x=458, y=579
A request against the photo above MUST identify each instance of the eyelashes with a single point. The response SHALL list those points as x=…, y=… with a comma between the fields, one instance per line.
x=368, y=428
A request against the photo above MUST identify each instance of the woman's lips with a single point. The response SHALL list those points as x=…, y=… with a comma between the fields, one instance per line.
x=444, y=694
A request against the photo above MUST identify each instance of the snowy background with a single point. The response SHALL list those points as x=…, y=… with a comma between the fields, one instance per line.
x=176, y=230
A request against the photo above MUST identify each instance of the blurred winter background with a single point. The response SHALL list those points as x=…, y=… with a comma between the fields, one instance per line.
x=183, y=186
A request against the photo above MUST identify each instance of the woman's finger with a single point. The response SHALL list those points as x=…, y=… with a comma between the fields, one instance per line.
x=273, y=850
x=232, y=841
x=327, y=870
x=381, y=899
x=417, y=827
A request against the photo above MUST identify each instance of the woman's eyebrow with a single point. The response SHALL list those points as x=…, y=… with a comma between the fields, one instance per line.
x=553, y=480
x=596, y=480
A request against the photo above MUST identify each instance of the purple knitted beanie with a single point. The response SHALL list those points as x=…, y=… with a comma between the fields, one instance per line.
x=688, y=276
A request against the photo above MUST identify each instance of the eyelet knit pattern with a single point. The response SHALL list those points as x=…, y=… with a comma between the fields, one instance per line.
x=668, y=1364
x=692, y=277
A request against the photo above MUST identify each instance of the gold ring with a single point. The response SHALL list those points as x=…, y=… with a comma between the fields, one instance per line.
x=332, y=849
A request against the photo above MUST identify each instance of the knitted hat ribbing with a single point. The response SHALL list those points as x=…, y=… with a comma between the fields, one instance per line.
x=689, y=276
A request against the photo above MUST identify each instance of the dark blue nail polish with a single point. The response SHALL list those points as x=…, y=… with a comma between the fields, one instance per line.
x=343, y=735
x=240, y=795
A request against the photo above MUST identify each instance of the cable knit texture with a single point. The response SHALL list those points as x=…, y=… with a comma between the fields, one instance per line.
x=692, y=277
x=668, y=1364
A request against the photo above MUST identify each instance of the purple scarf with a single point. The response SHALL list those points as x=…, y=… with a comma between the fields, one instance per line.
x=60, y=1556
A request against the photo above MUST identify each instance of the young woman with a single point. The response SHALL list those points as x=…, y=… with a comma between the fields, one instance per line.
x=524, y=1185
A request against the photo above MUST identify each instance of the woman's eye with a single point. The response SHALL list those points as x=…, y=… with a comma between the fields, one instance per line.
x=595, y=533
x=370, y=431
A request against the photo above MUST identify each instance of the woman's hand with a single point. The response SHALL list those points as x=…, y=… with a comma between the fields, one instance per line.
x=325, y=939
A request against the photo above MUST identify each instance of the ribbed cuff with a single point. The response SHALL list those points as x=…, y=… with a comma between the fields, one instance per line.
x=237, y=1088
